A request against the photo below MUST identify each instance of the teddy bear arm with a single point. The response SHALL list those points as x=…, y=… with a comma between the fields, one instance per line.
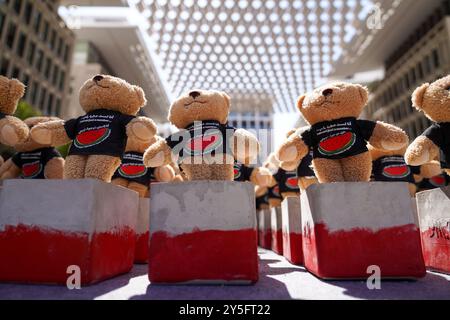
x=289, y=165
x=50, y=133
x=388, y=137
x=8, y=170
x=292, y=150
x=421, y=151
x=158, y=154
x=246, y=146
x=430, y=169
x=164, y=173
x=13, y=131
x=141, y=129
x=54, y=169
x=261, y=177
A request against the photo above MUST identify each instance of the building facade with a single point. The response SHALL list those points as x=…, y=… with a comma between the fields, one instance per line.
x=36, y=47
x=423, y=57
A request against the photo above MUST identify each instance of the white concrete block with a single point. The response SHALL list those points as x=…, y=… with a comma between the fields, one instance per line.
x=277, y=231
x=292, y=230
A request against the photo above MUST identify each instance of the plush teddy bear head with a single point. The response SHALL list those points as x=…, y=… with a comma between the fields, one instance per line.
x=434, y=100
x=199, y=105
x=11, y=91
x=111, y=93
x=139, y=145
x=333, y=101
x=30, y=144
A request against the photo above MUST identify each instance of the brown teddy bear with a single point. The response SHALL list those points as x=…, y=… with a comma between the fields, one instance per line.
x=391, y=166
x=336, y=137
x=99, y=137
x=434, y=101
x=34, y=160
x=432, y=180
x=205, y=147
x=259, y=176
x=132, y=173
x=12, y=129
x=305, y=173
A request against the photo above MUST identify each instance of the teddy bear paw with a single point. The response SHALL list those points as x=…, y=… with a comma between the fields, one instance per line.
x=10, y=135
x=41, y=135
x=287, y=154
x=142, y=132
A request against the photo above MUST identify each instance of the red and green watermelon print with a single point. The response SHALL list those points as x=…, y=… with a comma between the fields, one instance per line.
x=31, y=170
x=292, y=183
x=438, y=181
x=91, y=137
x=337, y=144
x=396, y=171
x=204, y=144
x=132, y=170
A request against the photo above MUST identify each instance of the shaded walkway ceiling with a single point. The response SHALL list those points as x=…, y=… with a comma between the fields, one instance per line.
x=258, y=50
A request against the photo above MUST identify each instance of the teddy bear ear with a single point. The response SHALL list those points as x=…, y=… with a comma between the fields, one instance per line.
x=300, y=102
x=16, y=89
x=227, y=98
x=364, y=93
x=141, y=95
x=418, y=94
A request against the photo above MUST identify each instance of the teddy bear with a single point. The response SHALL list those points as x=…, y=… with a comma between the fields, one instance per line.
x=99, y=137
x=305, y=173
x=261, y=198
x=34, y=160
x=431, y=176
x=132, y=173
x=434, y=101
x=259, y=176
x=337, y=138
x=12, y=129
x=205, y=146
x=391, y=166
x=273, y=190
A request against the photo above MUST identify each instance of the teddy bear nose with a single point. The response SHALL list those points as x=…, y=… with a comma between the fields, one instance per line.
x=98, y=78
x=194, y=94
x=327, y=92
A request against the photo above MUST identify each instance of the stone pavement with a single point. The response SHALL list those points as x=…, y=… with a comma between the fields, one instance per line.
x=278, y=280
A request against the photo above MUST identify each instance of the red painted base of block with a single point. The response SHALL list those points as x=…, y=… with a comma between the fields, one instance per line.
x=141, y=252
x=347, y=254
x=277, y=241
x=265, y=239
x=222, y=256
x=436, y=249
x=293, y=248
x=37, y=255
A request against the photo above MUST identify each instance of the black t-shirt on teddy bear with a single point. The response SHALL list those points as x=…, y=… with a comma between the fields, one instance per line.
x=32, y=163
x=133, y=169
x=202, y=138
x=99, y=132
x=393, y=168
x=338, y=139
x=274, y=192
x=439, y=133
x=262, y=200
x=438, y=181
x=287, y=180
x=304, y=169
x=242, y=172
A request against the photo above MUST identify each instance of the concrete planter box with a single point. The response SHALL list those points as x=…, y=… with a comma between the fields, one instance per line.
x=292, y=230
x=48, y=225
x=203, y=232
x=348, y=227
x=264, y=229
x=277, y=232
x=142, y=231
x=434, y=219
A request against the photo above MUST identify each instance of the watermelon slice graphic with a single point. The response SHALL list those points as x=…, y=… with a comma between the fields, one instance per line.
x=337, y=144
x=132, y=170
x=237, y=172
x=31, y=170
x=438, y=181
x=276, y=191
x=92, y=137
x=292, y=183
x=396, y=171
x=204, y=144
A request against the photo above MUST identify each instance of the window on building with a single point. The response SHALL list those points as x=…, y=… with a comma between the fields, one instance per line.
x=44, y=34
x=50, y=110
x=34, y=92
x=427, y=64
x=62, y=80
x=58, y=107
x=66, y=53
x=48, y=68
x=412, y=76
x=436, y=59
x=37, y=21
x=17, y=6
x=2, y=22
x=419, y=70
x=28, y=12
x=4, y=67
x=21, y=44
x=52, y=42
x=39, y=60
x=10, y=35
x=406, y=81
x=30, y=52
x=42, y=99
x=60, y=46
x=15, y=72
x=55, y=75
